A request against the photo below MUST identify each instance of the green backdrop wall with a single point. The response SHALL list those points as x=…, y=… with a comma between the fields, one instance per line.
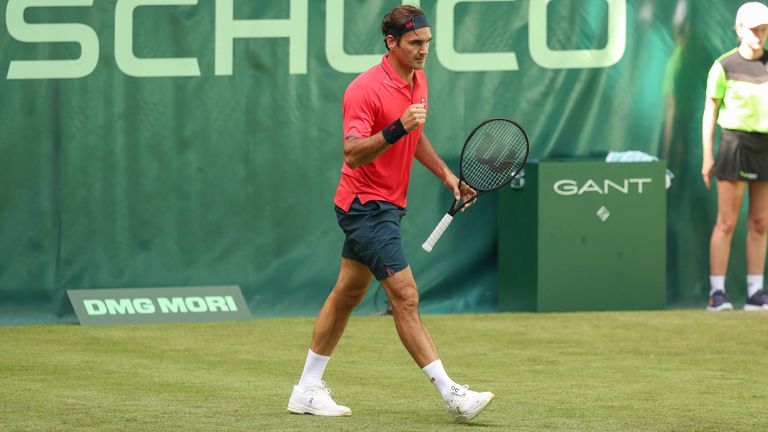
x=148, y=143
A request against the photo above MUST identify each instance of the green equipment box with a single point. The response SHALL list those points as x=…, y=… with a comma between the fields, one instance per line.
x=584, y=236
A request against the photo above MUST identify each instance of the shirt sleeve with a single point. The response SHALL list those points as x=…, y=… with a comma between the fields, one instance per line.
x=716, y=81
x=359, y=112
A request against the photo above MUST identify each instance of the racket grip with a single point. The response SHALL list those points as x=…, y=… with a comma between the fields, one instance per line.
x=437, y=233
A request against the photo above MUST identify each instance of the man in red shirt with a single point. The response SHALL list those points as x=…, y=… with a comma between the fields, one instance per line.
x=384, y=110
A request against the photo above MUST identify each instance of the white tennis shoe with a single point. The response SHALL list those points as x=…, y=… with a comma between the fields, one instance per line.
x=465, y=404
x=316, y=400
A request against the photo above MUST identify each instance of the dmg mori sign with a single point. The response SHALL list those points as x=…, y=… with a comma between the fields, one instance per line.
x=159, y=305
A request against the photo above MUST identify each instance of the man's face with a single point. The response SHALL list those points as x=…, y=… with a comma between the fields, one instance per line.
x=412, y=49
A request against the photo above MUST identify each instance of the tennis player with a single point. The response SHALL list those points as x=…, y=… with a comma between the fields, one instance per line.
x=384, y=110
x=737, y=100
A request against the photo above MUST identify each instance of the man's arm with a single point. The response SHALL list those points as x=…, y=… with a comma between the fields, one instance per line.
x=426, y=154
x=359, y=151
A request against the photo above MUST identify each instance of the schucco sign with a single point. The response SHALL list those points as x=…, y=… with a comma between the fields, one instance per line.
x=159, y=305
x=228, y=28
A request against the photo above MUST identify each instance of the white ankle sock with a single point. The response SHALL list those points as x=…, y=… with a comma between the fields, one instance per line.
x=754, y=283
x=436, y=374
x=716, y=283
x=313, y=370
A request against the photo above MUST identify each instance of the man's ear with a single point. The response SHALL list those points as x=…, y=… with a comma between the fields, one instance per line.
x=391, y=42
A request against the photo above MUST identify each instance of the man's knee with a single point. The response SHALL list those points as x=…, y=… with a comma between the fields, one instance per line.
x=348, y=296
x=351, y=284
x=404, y=298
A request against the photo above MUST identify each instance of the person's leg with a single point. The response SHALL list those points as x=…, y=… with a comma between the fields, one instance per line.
x=756, y=228
x=462, y=403
x=729, y=196
x=348, y=292
x=756, y=245
x=310, y=395
x=351, y=286
x=404, y=300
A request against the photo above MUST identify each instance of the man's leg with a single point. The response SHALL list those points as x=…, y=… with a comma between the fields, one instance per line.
x=462, y=403
x=349, y=291
x=311, y=396
x=404, y=299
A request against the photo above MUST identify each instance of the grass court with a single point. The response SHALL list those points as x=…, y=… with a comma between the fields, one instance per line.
x=677, y=370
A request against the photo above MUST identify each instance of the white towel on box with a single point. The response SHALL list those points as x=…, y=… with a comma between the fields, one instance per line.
x=638, y=156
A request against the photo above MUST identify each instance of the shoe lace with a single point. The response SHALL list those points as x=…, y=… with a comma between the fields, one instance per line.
x=325, y=386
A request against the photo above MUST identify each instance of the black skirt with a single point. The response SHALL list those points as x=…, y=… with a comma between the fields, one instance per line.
x=742, y=156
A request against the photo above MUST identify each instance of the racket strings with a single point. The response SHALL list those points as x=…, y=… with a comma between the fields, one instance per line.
x=494, y=154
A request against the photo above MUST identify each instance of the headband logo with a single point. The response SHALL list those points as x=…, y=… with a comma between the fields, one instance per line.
x=415, y=23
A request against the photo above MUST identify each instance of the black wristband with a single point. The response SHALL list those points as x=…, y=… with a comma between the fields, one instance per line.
x=394, y=131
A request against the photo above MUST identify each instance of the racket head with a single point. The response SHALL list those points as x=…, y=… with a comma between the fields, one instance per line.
x=494, y=153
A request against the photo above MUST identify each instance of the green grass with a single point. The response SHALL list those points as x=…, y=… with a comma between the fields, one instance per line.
x=666, y=371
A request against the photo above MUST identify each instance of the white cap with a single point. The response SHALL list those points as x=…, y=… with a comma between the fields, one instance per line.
x=752, y=14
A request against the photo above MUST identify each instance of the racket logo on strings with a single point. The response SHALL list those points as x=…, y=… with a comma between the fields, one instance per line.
x=496, y=158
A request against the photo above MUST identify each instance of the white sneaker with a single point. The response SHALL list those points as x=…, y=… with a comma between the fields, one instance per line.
x=465, y=404
x=316, y=400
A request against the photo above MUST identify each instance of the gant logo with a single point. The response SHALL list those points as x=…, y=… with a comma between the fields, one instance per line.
x=569, y=187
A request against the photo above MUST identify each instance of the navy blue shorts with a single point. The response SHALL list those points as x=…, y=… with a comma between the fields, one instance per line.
x=373, y=236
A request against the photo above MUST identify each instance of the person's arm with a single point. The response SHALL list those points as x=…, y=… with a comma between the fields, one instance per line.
x=708, y=125
x=359, y=151
x=427, y=156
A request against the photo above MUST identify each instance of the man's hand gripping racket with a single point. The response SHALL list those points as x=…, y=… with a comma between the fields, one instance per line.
x=493, y=155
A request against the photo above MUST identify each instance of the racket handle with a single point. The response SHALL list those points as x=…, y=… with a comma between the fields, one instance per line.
x=437, y=233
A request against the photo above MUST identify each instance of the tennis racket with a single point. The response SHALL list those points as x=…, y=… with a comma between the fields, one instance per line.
x=493, y=154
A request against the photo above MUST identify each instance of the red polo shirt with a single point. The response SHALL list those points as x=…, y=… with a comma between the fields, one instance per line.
x=373, y=100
